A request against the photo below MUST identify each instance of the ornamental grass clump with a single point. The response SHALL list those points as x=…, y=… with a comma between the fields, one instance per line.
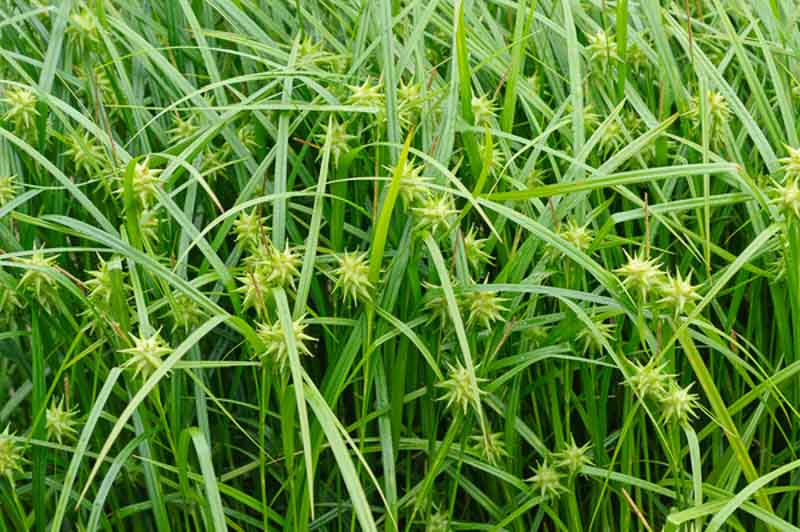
x=399, y=265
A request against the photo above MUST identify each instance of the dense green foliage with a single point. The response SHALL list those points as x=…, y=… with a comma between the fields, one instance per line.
x=399, y=264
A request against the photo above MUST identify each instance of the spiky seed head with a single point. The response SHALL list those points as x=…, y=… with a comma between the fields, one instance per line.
x=633, y=123
x=635, y=56
x=438, y=522
x=602, y=47
x=38, y=278
x=145, y=183
x=591, y=339
x=535, y=81
x=60, y=421
x=11, y=458
x=409, y=92
x=352, y=277
x=8, y=188
x=409, y=102
x=611, y=136
x=678, y=292
x=719, y=113
x=678, y=404
x=97, y=81
x=483, y=109
x=307, y=47
x=718, y=107
x=254, y=287
x=214, y=161
x=590, y=119
x=366, y=94
x=640, y=273
x=579, y=236
x=149, y=222
x=535, y=334
x=183, y=129
x=249, y=228
x=100, y=282
x=573, y=457
x=413, y=185
x=496, y=157
x=473, y=249
x=9, y=303
x=340, y=139
x=276, y=349
x=146, y=354
x=462, y=389
x=83, y=25
x=485, y=308
x=282, y=267
x=492, y=448
x=247, y=135
x=311, y=52
x=788, y=196
x=20, y=105
x=435, y=214
x=649, y=380
x=546, y=480
x=86, y=153
x=185, y=312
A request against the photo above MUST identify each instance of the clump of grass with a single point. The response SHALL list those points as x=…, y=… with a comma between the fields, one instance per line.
x=398, y=264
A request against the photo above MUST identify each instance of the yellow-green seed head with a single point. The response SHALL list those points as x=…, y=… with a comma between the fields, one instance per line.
x=547, y=480
x=276, y=349
x=649, y=380
x=678, y=404
x=86, y=153
x=409, y=102
x=602, y=47
x=340, y=139
x=473, y=249
x=579, y=236
x=146, y=355
x=149, y=222
x=483, y=109
x=282, y=267
x=83, y=27
x=20, y=103
x=435, y=214
x=352, y=277
x=788, y=196
x=438, y=522
x=186, y=313
x=38, y=279
x=640, y=273
x=678, y=292
x=11, y=458
x=61, y=421
x=485, y=308
x=8, y=188
x=254, y=287
x=100, y=283
x=573, y=457
x=492, y=448
x=366, y=94
x=462, y=389
x=414, y=187
x=183, y=130
x=249, y=228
